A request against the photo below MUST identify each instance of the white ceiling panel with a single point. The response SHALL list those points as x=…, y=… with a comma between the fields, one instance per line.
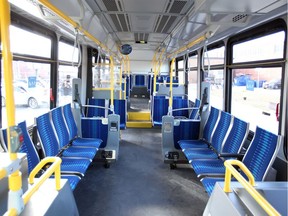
x=142, y=6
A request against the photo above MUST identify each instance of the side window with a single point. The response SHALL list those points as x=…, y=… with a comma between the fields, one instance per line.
x=192, y=77
x=256, y=90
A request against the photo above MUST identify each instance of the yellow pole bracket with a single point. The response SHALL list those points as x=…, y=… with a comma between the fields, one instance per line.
x=230, y=170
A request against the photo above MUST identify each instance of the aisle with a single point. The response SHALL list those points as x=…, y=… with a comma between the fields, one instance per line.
x=139, y=183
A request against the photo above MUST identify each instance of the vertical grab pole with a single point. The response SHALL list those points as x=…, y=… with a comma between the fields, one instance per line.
x=120, y=82
x=15, y=181
x=155, y=72
x=171, y=87
x=112, y=83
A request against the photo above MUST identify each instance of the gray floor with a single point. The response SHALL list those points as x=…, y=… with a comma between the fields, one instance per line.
x=139, y=183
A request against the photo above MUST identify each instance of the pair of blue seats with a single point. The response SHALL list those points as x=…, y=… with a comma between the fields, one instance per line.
x=57, y=132
x=223, y=138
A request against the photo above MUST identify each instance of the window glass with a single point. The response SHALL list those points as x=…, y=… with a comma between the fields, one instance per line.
x=65, y=76
x=215, y=56
x=180, y=64
x=31, y=91
x=24, y=42
x=264, y=48
x=216, y=80
x=193, y=60
x=255, y=95
x=192, y=85
x=67, y=52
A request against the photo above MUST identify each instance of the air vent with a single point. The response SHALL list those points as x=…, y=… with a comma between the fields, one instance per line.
x=169, y=24
x=110, y=5
x=116, y=22
x=168, y=6
x=240, y=18
x=120, y=6
x=177, y=6
x=123, y=22
x=162, y=22
x=128, y=22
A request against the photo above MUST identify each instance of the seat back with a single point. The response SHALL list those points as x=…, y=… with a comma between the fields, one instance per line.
x=93, y=111
x=261, y=153
x=3, y=139
x=120, y=108
x=70, y=121
x=236, y=137
x=160, y=108
x=179, y=103
x=195, y=110
x=28, y=148
x=210, y=124
x=221, y=130
x=47, y=135
x=60, y=126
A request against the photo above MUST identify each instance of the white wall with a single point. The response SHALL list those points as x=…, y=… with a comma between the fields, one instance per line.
x=141, y=62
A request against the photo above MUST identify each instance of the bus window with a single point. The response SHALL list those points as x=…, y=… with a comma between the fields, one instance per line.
x=192, y=78
x=215, y=76
x=31, y=91
x=255, y=95
x=264, y=48
x=66, y=72
x=25, y=42
x=181, y=72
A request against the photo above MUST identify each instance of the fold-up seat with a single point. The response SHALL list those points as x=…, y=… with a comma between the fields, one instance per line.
x=207, y=132
x=222, y=129
x=73, y=131
x=258, y=158
x=231, y=147
x=33, y=157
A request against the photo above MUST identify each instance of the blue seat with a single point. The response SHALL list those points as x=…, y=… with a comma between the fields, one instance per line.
x=258, y=158
x=50, y=147
x=65, y=142
x=179, y=103
x=160, y=108
x=33, y=157
x=215, y=146
x=207, y=132
x=120, y=108
x=195, y=111
x=94, y=111
x=232, y=145
x=73, y=131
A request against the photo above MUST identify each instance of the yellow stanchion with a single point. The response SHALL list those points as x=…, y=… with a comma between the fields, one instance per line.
x=171, y=84
x=230, y=170
x=112, y=82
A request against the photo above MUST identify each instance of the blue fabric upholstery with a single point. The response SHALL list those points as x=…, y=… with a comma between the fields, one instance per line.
x=93, y=128
x=93, y=111
x=233, y=144
x=160, y=108
x=258, y=157
x=186, y=130
x=216, y=142
x=207, y=131
x=33, y=158
x=179, y=103
x=209, y=184
x=140, y=80
x=195, y=110
x=120, y=108
x=63, y=136
x=73, y=134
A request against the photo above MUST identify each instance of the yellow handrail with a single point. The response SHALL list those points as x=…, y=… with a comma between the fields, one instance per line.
x=11, y=212
x=75, y=25
x=112, y=82
x=189, y=45
x=171, y=84
x=120, y=82
x=230, y=170
x=101, y=89
x=54, y=168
